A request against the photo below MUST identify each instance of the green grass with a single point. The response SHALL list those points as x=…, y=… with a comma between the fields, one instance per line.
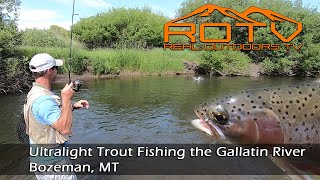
x=106, y=61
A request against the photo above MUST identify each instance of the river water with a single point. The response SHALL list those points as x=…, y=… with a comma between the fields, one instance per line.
x=139, y=110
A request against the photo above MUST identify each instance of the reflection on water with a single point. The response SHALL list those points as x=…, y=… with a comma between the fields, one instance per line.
x=140, y=110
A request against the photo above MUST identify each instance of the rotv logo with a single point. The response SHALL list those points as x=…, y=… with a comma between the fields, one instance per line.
x=242, y=21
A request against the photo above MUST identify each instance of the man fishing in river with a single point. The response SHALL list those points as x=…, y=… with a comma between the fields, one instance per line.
x=49, y=120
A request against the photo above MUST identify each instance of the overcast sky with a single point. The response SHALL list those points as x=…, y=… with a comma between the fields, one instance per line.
x=43, y=13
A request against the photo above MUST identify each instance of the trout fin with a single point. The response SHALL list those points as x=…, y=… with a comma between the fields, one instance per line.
x=266, y=112
x=289, y=169
x=269, y=126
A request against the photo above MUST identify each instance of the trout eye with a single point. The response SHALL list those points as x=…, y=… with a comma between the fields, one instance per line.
x=219, y=117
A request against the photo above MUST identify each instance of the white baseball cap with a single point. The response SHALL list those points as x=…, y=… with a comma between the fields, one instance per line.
x=43, y=61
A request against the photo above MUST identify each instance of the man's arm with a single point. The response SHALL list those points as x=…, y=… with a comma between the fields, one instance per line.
x=64, y=123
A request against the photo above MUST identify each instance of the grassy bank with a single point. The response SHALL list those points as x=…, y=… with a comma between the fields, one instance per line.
x=110, y=61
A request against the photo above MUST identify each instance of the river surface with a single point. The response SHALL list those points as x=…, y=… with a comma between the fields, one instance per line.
x=139, y=110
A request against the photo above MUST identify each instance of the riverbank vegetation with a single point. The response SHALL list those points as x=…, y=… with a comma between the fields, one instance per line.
x=123, y=39
x=113, y=61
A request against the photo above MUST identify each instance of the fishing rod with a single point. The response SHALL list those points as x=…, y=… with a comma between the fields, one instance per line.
x=76, y=83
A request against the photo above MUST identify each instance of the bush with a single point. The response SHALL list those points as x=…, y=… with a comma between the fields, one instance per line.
x=311, y=63
x=281, y=66
x=54, y=37
x=268, y=67
x=227, y=61
x=236, y=63
x=285, y=66
x=122, y=28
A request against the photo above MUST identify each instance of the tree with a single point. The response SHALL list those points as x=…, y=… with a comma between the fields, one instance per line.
x=13, y=74
x=9, y=35
x=122, y=28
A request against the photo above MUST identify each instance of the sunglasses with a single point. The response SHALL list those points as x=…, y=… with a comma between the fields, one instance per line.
x=55, y=67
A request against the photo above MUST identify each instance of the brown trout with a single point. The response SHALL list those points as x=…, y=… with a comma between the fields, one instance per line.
x=278, y=115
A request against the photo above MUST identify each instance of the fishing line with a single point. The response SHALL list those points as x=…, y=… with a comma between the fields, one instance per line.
x=76, y=83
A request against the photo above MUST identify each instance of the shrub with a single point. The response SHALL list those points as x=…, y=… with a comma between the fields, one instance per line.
x=227, y=61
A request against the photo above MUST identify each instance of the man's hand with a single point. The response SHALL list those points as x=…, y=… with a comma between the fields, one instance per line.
x=67, y=92
x=81, y=104
x=64, y=123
